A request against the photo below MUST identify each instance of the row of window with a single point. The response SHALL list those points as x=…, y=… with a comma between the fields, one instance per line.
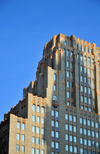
x=89, y=123
x=54, y=113
x=56, y=134
x=90, y=143
x=56, y=144
x=38, y=119
x=70, y=138
x=18, y=137
x=37, y=151
x=33, y=150
x=85, y=59
x=89, y=133
x=56, y=123
x=22, y=126
x=37, y=129
x=70, y=128
x=87, y=152
x=70, y=117
x=71, y=149
x=37, y=140
x=38, y=108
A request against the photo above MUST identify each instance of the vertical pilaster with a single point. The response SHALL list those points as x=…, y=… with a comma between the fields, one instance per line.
x=76, y=86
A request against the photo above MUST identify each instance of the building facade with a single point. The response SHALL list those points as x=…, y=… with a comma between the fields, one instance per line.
x=60, y=110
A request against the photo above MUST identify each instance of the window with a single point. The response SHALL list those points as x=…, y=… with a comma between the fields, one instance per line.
x=84, y=121
x=33, y=107
x=90, y=152
x=70, y=138
x=33, y=150
x=37, y=151
x=88, y=80
x=65, y=42
x=80, y=130
x=42, y=120
x=56, y=113
x=67, y=52
x=89, y=90
x=22, y=148
x=38, y=130
x=97, y=135
x=23, y=137
x=38, y=108
x=52, y=144
x=18, y=125
x=88, y=70
x=42, y=109
x=70, y=117
x=74, y=118
x=81, y=98
x=81, y=88
x=37, y=141
x=74, y=129
x=84, y=131
x=88, y=59
x=81, y=151
x=88, y=122
x=70, y=127
x=87, y=50
x=66, y=126
x=84, y=69
x=84, y=58
x=77, y=55
x=42, y=130
x=75, y=139
x=17, y=147
x=66, y=116
x=92, y=123
x=54, y=87
x=89, y=100
x=96, y=125
x=23, y=126
x=92, y=61
x=97, y=145
x=52, y=133
x=17, y=136
x=71, y=53
x=81, y=68
x=67, y=63
x=57, y=135
x=89, y=134
x=75, y=149
x=81, y=78
x=57, y=145
x=81, y=141
x=85, y=142
x=80, y=120
x=67, y=94
x=33, y=118
x=85, y=151
x=85, y=99
x=79, y=47
x=42, y=151
x=93, y=143
x=52, y=123
x=91, y=51
x=93, y=134
x=68, y=74
x=33, y=139
x=89, y=143
x=67, y=84
x=38, y=119
x=57, y=124
x=66, y=137
x=81, y=57
x=84, y=49
x=84, y=79
x=33, y=128
x=71, y=149
x=52, y=112
x=66, y=147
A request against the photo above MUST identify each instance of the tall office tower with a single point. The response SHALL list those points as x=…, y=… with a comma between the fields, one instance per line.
x=60, y=111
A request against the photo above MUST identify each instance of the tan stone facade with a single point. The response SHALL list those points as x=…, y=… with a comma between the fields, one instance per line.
x=60, y=110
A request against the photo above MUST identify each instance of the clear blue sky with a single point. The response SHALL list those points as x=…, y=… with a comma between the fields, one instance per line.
x=25, y=26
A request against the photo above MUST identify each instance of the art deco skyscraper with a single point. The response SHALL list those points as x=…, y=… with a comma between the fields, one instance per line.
x=60, y=110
